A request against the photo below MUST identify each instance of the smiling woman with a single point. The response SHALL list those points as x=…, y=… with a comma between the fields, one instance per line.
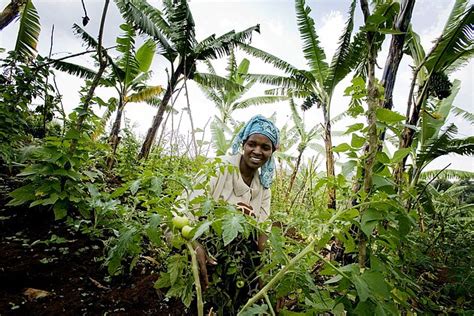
x=247, y=186
x=252, y=150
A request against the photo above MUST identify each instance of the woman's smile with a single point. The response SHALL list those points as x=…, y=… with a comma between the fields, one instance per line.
x=257, y=150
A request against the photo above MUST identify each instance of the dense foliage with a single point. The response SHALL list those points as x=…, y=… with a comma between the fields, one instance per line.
x=381, y=236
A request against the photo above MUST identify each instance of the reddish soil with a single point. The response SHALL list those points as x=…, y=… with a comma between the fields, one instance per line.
x=71, y=270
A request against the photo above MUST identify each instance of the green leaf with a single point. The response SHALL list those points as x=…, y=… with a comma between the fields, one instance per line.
x=342, y=148
x=349, y=214
x=370, y=219
x=357, y=141
x=135, y=186
x=29, y=32
x=163, y=281
x=382, y=157
x=73, y=69
x=354, y=127
x=361, y=287
x=145, y=54
x=347, y=55
x=72, y=134
x=202, y=228
x=334, y=279
x=456, y=41
x=176, y=264
x=23, y=194
x=255, y=310
x=231, y=227
x=381, y=181
x=312, y=50
x=364, y=308
x=60, y=210
x=400, y=154
x=388, y=116
x=153, y=231
x=376, y=283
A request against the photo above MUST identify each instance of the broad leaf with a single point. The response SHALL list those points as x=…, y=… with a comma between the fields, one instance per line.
x=145, y=94
x=231, y=227
x=400, y=154
x=149, y=20
x=388, y=116
x=312, y=51
x=145, y=55
x=73, y=69
x=457, y=39
x=29, y=31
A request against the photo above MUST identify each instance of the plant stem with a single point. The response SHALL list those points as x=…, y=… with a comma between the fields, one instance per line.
x=272, y=312
x=197, y=281
x=279, y=276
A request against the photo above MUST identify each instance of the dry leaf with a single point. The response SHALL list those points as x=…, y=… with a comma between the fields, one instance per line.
x=33, y=294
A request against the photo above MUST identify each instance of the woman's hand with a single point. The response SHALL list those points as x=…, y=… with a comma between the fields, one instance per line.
x=245, y=208
x=203, y=260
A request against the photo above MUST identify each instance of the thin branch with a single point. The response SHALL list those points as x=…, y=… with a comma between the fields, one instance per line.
x=190, y=118
x=95, y=82
x=70, y=56
x=45, y=107
x=429, y=182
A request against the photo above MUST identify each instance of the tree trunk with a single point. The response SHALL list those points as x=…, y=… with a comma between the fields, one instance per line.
x=396, y=52
x=395, y=55
x=114, y=138
x=10, y=12
x=295, y=171
x=409, y=133
x=158, y=118
x=373, y=100
x=95, y=82
x=330, y=173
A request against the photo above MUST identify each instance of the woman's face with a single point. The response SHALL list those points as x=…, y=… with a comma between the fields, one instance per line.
x=257, y=150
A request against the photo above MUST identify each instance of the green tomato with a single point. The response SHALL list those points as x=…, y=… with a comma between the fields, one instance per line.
x=240, y=284
x=186, y=232
x=180, y=221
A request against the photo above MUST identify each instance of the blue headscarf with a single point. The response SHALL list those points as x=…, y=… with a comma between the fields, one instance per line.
x=259, y=125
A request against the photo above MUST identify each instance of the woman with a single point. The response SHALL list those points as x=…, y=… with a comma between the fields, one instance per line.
x=249, y=188
x=252, y=150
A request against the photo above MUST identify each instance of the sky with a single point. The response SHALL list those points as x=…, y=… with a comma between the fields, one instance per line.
x=279, y=36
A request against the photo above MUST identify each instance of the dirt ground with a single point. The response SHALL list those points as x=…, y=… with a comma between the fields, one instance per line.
x=67, y=269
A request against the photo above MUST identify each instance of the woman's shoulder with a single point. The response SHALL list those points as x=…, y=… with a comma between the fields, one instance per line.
x=229, y=159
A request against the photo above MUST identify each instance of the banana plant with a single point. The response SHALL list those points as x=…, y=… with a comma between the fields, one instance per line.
x=434, y=140
x=316, y=85
x=173, y=28
x=228, y=100
x=305, y=137
x=453, y=49
x=231, y=97
x=127, y=74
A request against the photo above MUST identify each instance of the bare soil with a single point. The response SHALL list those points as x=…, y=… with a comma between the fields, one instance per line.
x=70, y=269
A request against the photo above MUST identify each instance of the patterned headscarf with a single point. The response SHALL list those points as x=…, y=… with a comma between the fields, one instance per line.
x=259, y=125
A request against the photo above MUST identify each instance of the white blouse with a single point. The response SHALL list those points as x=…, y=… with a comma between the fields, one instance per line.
x=230, y=187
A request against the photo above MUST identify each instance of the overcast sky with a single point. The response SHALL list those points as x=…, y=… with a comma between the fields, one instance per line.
x=279, y=36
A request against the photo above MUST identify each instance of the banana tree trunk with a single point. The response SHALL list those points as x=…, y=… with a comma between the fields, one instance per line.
x=396, y=52
x=330, y=173
x=158, y=118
